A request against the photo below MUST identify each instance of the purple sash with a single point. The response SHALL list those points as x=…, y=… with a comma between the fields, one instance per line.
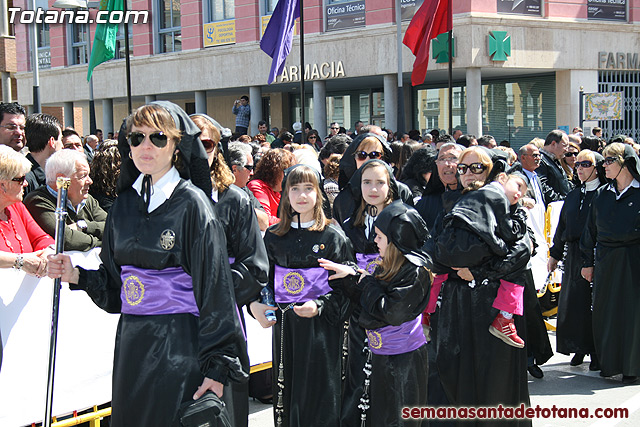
x=148, y=292
x=300, y=284
x=397, y=339
x=368, y=262
x=231, y=260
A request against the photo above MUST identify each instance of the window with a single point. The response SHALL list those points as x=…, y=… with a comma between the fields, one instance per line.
x=120, y=45
x=221, y=10
x=169, y=27
x=78, y=41
x=269, y=6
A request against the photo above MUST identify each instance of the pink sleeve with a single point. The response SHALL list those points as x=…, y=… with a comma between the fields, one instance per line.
x=38, y=238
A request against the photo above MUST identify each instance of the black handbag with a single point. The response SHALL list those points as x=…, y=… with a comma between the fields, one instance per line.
x=208, y=411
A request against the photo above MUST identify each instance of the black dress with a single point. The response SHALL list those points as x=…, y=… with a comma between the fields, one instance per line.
x=613, y=229
x=574, y=333
x=397, y=380
x=249, y=269
x=160, y=360
x=312, y=347
x=475, y=368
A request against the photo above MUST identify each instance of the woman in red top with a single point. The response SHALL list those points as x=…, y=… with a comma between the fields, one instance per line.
x=23, y=244
x=267, y=182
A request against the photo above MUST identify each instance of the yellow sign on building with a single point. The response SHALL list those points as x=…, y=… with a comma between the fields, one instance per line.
x=264, y=20
x=220, y=33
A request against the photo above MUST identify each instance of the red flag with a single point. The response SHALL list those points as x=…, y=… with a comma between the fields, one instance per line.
x=433, y=18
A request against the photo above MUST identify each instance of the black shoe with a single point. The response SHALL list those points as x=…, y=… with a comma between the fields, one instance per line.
x=629, y=379
x=535, y=371
x=594, y=365
x=577, y=359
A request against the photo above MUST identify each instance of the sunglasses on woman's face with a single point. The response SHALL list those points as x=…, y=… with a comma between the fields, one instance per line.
x=313, y=137
x=611, y=160
x=584, y=164
x=159, y=139
x=570, y=154
x=362, y=155
x=209, y=145
x=475, y=168
x=20, y=180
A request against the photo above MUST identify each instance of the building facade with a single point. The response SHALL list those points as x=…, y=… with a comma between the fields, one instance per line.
x=518, y=66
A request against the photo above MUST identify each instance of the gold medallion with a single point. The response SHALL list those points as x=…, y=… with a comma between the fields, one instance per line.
x=167, y=239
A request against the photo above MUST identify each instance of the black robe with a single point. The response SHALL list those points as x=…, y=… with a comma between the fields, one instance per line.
x=476, y=368
x=160, y=360
x=312, y=352
x=613, y=229
x=357, y=356
x=249, y=270
x=574, y=333
x=398, y=380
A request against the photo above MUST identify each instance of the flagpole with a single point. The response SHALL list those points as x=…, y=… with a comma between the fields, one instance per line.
x=400, y=117
x=302, y=68
x=127, y=59
x=450, y=17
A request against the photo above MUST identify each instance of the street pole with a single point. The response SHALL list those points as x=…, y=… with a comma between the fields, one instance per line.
x=37, y=106
x=400, y=123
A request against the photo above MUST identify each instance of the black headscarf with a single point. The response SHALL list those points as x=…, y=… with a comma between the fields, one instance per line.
x=224, y=139
x=405, y=228
x=194, y=164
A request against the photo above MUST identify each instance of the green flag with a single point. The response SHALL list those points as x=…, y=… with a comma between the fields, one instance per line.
x=104, y=42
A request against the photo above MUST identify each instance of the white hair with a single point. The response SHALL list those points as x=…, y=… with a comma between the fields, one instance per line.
x=12, y=163
x=63, y=162
x=308, y=156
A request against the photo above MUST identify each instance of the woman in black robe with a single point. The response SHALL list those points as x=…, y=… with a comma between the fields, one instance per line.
x=247, y=254
x=476, y=368
x=574, y=333
x=359, y=229
x=613, y=231
x=165, y=268
x=308, y=335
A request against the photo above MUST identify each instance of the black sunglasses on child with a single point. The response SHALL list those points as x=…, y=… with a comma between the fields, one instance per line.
x=159, y=139
x=362, y=155
x=475, y=168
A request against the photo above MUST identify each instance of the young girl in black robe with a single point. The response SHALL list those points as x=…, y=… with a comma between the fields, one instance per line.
x=373, y=188
x=392, y=301
x=307, y=351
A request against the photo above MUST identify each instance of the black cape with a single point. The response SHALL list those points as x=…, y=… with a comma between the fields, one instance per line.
x=574, y=333
x=152, y=376
x=613, y=229
x=312, y=353
x=249, y=270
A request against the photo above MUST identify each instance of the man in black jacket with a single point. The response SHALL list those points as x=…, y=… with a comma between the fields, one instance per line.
x=550, y=172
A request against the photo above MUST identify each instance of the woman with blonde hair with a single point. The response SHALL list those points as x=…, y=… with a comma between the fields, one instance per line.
x=610, y=245
x=568, y=162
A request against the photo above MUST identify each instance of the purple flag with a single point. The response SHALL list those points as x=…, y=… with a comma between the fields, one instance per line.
x=277, y=38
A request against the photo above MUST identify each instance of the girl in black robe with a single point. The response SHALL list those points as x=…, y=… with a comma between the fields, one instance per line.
x=359, y=229
x=613, y=231
x=574, y=333
x=247, y=254
x=307, y=350
x=165, y=268
x=392, y=301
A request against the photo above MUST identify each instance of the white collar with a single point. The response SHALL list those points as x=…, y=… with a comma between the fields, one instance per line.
x=161, y=190
x=294, y=224
x=634, y=184
x=592, y=185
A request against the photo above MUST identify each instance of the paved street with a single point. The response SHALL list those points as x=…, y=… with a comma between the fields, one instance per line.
x=562, y=385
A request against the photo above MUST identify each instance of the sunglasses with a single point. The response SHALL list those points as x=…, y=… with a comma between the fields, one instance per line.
x=209, y=145
x=159, y=139
x=249, y=167
x=611, y=160
x=584, y=164
x=20, y=179
x=335, y=128
x=362, y=155
x=313, y=137
x=570, y=154
x=475, y=168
